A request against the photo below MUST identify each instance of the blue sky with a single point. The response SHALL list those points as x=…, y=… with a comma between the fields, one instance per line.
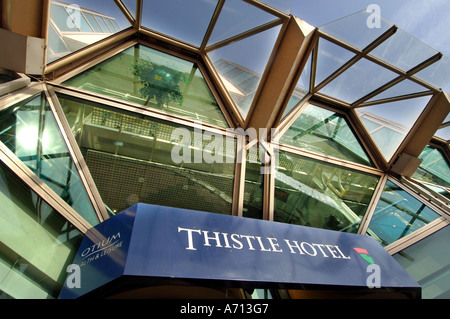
x=427, y=20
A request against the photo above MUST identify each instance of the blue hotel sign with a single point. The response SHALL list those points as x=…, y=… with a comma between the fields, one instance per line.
x=163, y=244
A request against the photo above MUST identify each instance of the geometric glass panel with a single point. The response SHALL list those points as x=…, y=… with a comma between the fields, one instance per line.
x=325, y=132
x=330, y=58
x=398, y=214
x=30, y=131
x=360, y=79
x=241, y=65
x=134, y=158
x=236, y=17
x=389, y=123
x=156, y=80
x=81, y=23
x=180, y=19
x=317, y=194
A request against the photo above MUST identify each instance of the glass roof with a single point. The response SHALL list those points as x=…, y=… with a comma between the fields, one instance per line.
x=374, y=70
x=183, y=20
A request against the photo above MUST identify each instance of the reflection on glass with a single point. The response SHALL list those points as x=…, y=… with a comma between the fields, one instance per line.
x=434, y=167
x=359, y=80
x=154, y=79
x=355, y=30
x=180, y=19
x=137, y=159
x=254, y=185
x=29, y=129
x=78, y=24
x=241, y=64
x=398, y=214
x=326, y=132
x=428, y=262
x=316, y=194
x=36, y=243
x=236, y=17
x=389, y=123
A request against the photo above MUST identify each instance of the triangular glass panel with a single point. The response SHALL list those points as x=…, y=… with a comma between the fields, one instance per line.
x=360, y=79
x=81, y=23
x=154, y=79
x=354, y=29
x=236, y=17
x=241, y=65
x=183, y=20
x=330, y=58
x=325, y=132
x=30, y=131
x=301, y=89
x=405, y=87
x=389, y=123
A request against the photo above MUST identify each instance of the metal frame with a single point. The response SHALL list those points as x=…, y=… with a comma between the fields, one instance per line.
x=25, y=174
x=79, y=61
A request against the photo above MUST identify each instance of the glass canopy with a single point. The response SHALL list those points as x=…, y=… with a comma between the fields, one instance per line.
x=127, y=82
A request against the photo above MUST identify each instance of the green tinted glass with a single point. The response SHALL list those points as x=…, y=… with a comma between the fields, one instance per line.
x=139, y=159
x=29, y=129
x=154, y=79
x=398, y=214
x=434, y=167
x=312, y=193
x=36, y=243
x=326, y=132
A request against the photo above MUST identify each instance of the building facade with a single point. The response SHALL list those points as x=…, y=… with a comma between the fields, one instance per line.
x=226, y=107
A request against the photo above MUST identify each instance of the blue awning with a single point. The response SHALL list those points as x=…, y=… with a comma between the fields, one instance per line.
x=149, y=245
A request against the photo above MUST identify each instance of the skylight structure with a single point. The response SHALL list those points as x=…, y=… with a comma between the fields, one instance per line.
x=342, y=127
